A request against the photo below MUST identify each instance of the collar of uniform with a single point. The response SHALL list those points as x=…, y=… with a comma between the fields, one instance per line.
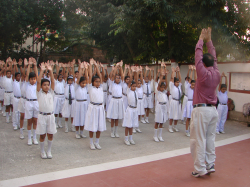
x=45, y=92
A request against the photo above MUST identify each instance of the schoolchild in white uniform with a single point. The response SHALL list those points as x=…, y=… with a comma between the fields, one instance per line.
x=130, y=120
x=147, y=98
x=81, y=104
x=2, y=90
x=69, y=103
x=95, y=118
x=175, y=103
x=105, y=87
x=125, y=83
x=222, y=107
x=31, y=103
x=189, y=92
x=140, y=102
x=116, y=108
x=152, y=85
x=59, y=97
x=161, y=108
x=8, y=86
x=185, y=98
x=109, y=90
x=46, y=119
x=16, y=98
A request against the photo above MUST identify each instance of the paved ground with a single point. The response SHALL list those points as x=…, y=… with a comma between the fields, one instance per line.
x=17, y=159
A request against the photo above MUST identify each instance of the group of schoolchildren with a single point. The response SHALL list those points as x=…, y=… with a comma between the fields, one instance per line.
x=85, y=98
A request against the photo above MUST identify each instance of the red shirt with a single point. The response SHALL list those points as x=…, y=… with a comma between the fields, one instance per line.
x=207, y=78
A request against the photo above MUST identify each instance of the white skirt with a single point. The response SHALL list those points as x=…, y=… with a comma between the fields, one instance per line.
x=1, y=94
x=88, y=99
x=105, y=97
x=58, y=104
x=46, y=124
x=68, y=110
x=169, y=100
x=161, y=113
x=21, y=105
x=80, y=111
x=148, y=102
x=184, y=105
x=95, y=118
x=189, y=109
x=175, y=110
x=116, y=109
x=108, y=101
x=125, y=101
x=140, y=107
x=131, y=118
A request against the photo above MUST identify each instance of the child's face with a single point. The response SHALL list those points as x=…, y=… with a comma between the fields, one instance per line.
x=192, y=85
x=105, y=79
x=32, y=80
x=146, y=79
x=83, y=83
x=8, y=74
x=18, y=77
x=48, y=75
x=60, y=78
x=127, y=80
x=177, y=83
x=70, y=81
x=97, y=82
x=139, y=84
x=162, y=88
x=133, y=87
x=76, y=74
x=55, y=76
x=45, y=87
x=223, y=90
x=117, y=79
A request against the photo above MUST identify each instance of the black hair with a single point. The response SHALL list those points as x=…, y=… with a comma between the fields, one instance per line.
x=105, y=76
x=223, y=86
x=133, y=82
x=126, y=77
x=192, y=81
x=208, y=60
x=31, y=75
x=17, y=73
x=118, y=76
x=44, y=80
x=82, y=79
x=164, y=77
x=76, y=71
x=162, y=84
x=139, y=80
x=176, y=79
x=8, y=71
x=69, y=77
x=94, y=78
x=187, y=78
x=60, y=71
x=54, y=72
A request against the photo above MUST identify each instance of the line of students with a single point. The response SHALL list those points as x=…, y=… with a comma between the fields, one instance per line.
x=81, y=96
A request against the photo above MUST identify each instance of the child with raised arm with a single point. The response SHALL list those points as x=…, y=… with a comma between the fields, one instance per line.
x=95, y=121
x=131, y=115
x=185, y=98
x=189, y=92
x=81, y=104
x=31, y=103
x=125, y=83
x=222, y=107
x=175, y=103
x=46, y=119
x=2, y=90
x=161, y=108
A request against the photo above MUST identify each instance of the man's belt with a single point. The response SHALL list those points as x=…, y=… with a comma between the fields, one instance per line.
x=176, y=99
x=45, y=114
x=116, y=97
x=222, y=104
x=132, y=106
x=23, y=97
x=71, y=99
x=140, y=98
x=31, y=99
x=59, y=93
x=190, y=100
x=124, y=94
x=202, y=105
x=81, y=100
x=95, y=103
x=147, y=94
x=104, y=90
x=8, y=92
x=17, y=97
x=162, y=103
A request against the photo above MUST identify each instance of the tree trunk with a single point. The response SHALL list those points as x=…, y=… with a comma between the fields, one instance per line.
x=129, y=48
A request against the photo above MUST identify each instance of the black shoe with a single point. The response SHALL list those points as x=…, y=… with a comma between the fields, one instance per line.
x=211, y=170
x=195, y=174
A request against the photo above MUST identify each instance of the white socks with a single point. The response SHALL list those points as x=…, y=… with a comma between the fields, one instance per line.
x=81, y=132
x=29, y=134
x=21, y=130
x=130, y=137
x=170, y=126
x=7, y=115
x=42, y=147
x=66, y=124
x=126, y=138
x=112, y=129
x=34, y=134
x=116, y=129
x=59, y=120
x=146, y=118
x=155, y=132
x=91, y=140
x=77, y=132
x=160, y=132
x=49, y=145
x=97, y=140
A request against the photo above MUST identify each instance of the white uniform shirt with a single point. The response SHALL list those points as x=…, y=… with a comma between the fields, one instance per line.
x=156, y=86
x=81, y=93
x=132, y=97
x=23, y=88
x=45, y=101
x=162, y=97
x=146, y=86
x=30, y=91
x=1, y=82
x=17, y=88
x=139, y=91
x=116, y=89
x=95, y=94
x=190, y=92
x=175, y=91
x=186, y=84
x=110, y=86
x=105, y=86
x=152, y=86
x=124, y=87
x=59, y=87
x=72, y=90
x=223, y=98
x=8, y=82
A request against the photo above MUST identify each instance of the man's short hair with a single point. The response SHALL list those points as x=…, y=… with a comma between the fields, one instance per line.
x=44, y=80
x=208, y=60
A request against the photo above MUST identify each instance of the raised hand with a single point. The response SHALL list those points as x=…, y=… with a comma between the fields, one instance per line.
x=173, y=69
x=209, y=31
x=42, y=66
x=203, y=34
x=177, y=69
x=91, y=61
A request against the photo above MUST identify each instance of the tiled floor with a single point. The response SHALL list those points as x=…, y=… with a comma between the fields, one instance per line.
x=232, y=170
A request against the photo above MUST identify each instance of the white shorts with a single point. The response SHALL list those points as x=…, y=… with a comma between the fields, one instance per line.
x=68, y=110
x=31, y=109
x=46, y=124
x=58, y=104
x=131, y=118
x=1, y=94
x=21, y=105
x=148, y=102
x=15, y=104
x=8, y=98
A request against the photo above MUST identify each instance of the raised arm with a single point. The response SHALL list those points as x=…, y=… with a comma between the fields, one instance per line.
x=98, y=72
x=42, y=69
x=172, y=74
x=179, y=73
x=195, y=74
x=114, y=73
x=50, y=68
x=161, y=80
x=191, y=75
x=81, y=71
x=225, y=79
x=149, y=75
x=188, y=71
x=90, y=73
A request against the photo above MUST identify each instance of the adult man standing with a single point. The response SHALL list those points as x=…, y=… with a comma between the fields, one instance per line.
x=204, y=115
